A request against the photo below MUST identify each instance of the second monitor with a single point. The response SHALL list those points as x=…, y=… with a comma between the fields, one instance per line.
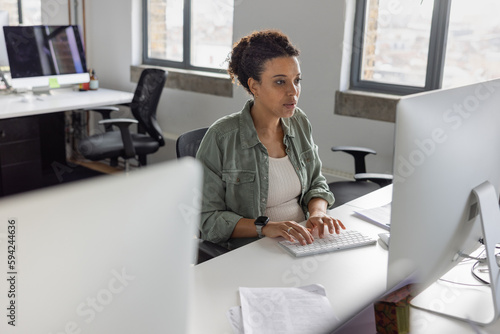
x=445, y=191
x=45, y=56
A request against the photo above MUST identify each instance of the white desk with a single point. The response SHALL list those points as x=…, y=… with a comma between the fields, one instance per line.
x=32, y=134
x=13, y=105
x=352, y=278
x=425, y=322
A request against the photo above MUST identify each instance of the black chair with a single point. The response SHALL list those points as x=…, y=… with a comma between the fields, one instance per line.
x=148, y=139
x=363, y=183
x=187, y=145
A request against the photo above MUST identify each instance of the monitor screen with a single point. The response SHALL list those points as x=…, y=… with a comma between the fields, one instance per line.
x=447, y=143
x=45, y=56
x=4, y=21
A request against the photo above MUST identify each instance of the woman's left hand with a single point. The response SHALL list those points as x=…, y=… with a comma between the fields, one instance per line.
x=321, y=220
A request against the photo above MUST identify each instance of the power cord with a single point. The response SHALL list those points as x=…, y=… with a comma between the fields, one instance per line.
x=476, y=270
x=476, y=276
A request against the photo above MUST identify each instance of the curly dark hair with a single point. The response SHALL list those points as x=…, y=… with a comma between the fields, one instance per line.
x=251, y=52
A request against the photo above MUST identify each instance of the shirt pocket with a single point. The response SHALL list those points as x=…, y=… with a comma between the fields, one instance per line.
x=240, y=191
x=307, y=162
x=307, y=158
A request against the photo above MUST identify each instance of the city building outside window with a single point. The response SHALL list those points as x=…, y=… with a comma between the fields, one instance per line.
x=409, y=46
x=26, y=12
x=188, y=34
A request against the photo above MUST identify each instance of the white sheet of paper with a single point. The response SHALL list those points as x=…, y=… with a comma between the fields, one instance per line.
x=286, y=310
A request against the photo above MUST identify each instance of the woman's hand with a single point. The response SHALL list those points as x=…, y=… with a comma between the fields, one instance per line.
x=320, y=220
x=289, y=230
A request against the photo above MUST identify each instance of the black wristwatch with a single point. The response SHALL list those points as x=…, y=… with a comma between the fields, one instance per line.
x=260, y=222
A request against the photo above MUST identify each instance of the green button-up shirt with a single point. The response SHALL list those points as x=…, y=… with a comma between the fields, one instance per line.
x=236, y=172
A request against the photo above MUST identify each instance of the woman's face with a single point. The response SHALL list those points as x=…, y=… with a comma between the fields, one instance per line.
x=279, y=88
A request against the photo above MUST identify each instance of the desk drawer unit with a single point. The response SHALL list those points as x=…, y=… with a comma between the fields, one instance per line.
x=20, y=158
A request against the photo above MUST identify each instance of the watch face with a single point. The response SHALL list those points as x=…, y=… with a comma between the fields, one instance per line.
x=262, y=221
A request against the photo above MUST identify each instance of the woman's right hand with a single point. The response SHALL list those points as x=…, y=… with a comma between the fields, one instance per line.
x=289, y=230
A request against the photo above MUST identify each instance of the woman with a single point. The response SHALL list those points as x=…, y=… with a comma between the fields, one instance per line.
x=261, y=166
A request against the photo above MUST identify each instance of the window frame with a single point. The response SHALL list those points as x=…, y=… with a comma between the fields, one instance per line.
x=186, y=62
x=19, y=12
x=435, y=56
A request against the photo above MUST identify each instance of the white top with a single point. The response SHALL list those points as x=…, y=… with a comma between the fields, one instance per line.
x=284, y=191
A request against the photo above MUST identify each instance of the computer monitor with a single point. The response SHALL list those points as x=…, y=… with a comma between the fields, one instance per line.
x=45, y=56
x=447, y=145
x=108, y=255
x=4, y=21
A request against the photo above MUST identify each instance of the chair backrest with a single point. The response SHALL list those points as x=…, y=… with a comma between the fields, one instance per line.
x=145, y=101
x=188, y=143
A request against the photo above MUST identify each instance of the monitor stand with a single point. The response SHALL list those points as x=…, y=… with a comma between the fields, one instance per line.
x=4, y=79
x=477, y=304
x=42, y=90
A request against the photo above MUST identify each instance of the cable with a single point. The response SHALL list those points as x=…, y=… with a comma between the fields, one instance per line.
x=466, y=256
x=462, y=284
x=476, y=276
x=479, y=260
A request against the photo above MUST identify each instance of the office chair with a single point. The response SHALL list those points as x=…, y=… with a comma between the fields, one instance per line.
x=187, y=145
x=364, y=183
x=148, y=139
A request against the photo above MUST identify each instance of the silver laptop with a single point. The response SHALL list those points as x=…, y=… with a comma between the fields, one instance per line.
x=108, y=255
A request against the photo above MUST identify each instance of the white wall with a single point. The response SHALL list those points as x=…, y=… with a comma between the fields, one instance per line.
x=317, y=27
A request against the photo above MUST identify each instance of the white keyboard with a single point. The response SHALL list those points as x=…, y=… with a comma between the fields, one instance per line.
x=329, y=243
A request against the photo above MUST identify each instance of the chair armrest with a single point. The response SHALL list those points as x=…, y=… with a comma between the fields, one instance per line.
x=381, y=179
x=358, y=153
x=353, y=149
x=123, y=124
x=119, y=121
x=105, y=112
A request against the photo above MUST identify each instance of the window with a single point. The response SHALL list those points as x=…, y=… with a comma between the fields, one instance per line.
x=188, y=34
x=410, y=46
x=26, y=12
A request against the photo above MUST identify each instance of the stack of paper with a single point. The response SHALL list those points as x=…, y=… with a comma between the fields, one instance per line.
x=283, y=310
x=380, y=216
